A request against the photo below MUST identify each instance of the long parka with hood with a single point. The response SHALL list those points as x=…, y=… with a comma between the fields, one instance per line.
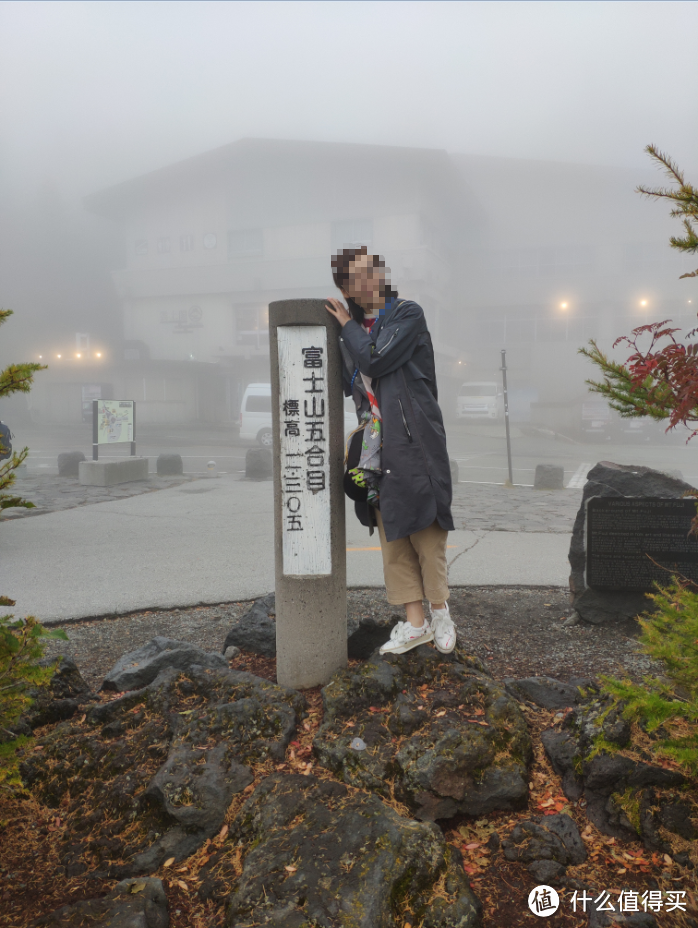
x=415, y=488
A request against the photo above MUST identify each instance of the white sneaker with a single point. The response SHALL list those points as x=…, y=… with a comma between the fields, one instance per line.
x=444, y=629
x=405, y=636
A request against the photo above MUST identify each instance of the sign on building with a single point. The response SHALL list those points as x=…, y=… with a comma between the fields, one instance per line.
x=304, y=442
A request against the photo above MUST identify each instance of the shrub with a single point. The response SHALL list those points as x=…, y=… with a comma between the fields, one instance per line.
x=667, y=706
x=21, y=647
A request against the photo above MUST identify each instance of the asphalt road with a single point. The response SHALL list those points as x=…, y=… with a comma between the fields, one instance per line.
x=479, y=449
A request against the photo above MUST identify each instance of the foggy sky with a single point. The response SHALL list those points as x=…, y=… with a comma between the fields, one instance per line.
x=92, y=93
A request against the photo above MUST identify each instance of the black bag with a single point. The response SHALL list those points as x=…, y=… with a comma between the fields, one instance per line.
x=5, y=441
x=358, y=494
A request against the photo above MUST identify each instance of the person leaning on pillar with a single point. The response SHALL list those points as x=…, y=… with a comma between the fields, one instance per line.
x=398, y=472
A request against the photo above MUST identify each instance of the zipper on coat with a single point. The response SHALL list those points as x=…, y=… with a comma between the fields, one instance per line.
x=419, y=437
x=404, y=420
x=387, y=344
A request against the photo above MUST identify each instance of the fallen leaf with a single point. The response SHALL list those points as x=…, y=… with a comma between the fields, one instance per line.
x=471, y=847
x=169, y=862
x=622, y=870
x=182, y=885
x=223, y=832
x=296, y=744
x=137, y=887
x=440, y=714
x=306, y=726
x=290, y=868
x=83, y=719
x=249, y=789
x=668, y=860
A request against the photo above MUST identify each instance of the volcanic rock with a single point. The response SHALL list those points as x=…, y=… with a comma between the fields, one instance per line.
x=439, y=731
x=150, y=774
x=139, y=668
x=599, y=607
x=131, y=904
x=317, y=854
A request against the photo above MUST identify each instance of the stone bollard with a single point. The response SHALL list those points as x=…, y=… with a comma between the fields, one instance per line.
x=258, y=464
x=68, y=462
x=454, y=471
x=549, y=477
x=169, y=465
x=310, y=540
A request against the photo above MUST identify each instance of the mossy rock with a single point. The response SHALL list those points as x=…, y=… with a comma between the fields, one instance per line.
x=441, y=735
x=629, y=791
x=150, y=775
x=316, y=853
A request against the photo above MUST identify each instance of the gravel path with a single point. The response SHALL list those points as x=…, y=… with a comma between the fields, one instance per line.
x=517, y=632
x=514, y=509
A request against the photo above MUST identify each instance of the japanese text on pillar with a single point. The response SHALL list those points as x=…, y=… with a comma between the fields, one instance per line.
x=305, y=497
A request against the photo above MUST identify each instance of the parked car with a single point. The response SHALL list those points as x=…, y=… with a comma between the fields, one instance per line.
x=255, y=415
x=479, y=400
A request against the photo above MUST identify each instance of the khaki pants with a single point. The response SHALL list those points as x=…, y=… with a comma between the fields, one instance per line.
x=415, y=567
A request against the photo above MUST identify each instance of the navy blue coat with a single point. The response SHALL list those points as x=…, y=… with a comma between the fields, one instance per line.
x=416, y=483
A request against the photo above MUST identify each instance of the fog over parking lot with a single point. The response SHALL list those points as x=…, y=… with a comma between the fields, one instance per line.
x=170, y=168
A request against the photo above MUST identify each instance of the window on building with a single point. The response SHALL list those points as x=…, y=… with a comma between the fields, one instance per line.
x=164, y=245
x=141, y=246
x=186, y=242
x=352, y=232
x=243, y=243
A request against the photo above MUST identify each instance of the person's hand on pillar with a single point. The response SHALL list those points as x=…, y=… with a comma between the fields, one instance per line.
x=337, y=309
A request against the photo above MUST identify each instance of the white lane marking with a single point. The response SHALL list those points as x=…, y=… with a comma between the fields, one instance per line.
x=578, y=478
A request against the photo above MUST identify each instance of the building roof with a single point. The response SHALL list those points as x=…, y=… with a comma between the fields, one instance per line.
x=300, y=181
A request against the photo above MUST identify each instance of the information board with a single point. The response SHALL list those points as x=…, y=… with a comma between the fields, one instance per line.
x=624, y=535
x=115, y=421
x=304, y=426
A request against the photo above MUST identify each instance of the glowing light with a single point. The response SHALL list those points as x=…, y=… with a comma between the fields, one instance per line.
x=643, y=302
x=78, y=355
x=99, y=354
x=58, y=356
x=563, y=305
x=41, y=356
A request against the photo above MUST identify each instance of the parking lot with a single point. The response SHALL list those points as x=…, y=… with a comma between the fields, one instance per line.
x=479, y=448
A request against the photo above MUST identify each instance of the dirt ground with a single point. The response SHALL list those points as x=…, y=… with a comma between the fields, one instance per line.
x=517, y=631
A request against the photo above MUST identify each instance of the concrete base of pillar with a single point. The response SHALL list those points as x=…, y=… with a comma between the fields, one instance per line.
x=109, y=473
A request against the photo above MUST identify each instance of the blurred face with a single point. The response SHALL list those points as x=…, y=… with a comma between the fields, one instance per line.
x=365, y=283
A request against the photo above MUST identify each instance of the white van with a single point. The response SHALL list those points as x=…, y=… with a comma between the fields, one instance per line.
x=255, y=415
x=478, y=400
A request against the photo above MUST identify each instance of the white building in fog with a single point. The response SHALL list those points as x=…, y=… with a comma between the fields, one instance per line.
x=211, y=241
x=535, y=257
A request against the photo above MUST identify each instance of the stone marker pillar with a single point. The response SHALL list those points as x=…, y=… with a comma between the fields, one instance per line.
x=309, y=538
